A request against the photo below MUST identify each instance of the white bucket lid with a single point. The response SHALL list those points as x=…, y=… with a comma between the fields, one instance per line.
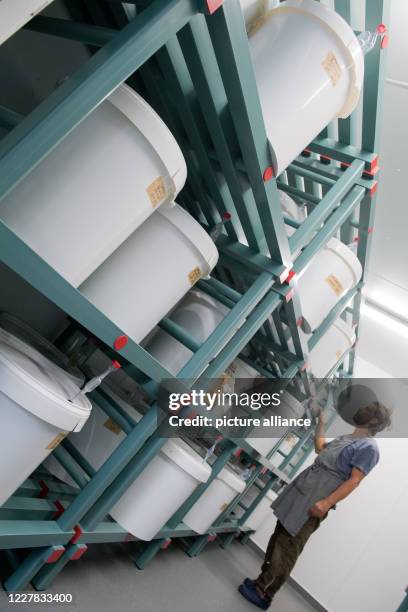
x=343, y=251
x=345, y=329
x=346, y=36
x=185, y=457
x=34, y=340
x=194, y=233
x=232, y=479
x=39, y=386
x=148, y=122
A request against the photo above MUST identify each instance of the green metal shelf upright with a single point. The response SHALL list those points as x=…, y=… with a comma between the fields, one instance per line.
x=191, y=60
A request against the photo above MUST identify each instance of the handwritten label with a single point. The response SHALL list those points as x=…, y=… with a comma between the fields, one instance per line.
x=112, y=426
x=157, y=191
x=332, y=67
x=335, y=284
x=57, y=440
x=194, y=275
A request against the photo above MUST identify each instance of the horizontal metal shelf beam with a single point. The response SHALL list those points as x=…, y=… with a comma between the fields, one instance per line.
x=330, y=201
x=30, y=534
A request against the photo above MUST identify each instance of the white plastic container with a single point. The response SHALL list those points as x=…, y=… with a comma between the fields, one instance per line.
x=331, y=347
x=151, y=271
x=199, y=315
x=13, y=15
x=36, y=413
x=30, y=336
x=289, y=408
x=316, y=60
x=225, y=487
x=97, y=186
x=162, y=487
x=165, y=484
x=332, y=272
x=262, y=510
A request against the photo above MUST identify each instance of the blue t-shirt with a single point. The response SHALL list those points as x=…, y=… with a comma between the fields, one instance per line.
x=362, y=454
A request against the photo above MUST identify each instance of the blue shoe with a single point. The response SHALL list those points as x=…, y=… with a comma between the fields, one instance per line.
x=249, y=582
x=251, y=594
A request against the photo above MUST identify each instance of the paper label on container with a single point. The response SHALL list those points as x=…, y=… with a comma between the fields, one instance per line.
x=194, y=275
x=57, y=440
x=335, y=284
x=332, y=67
x=112, y=426
x=157, y=191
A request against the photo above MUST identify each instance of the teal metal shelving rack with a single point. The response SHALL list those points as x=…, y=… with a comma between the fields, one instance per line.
x=191, y=60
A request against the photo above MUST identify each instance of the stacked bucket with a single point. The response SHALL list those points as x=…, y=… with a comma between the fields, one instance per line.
x=101, y=210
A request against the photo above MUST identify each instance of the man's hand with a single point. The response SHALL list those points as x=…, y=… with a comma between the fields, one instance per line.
x=320, y=508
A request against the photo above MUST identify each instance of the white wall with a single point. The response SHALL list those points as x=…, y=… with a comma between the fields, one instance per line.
x=363, y=542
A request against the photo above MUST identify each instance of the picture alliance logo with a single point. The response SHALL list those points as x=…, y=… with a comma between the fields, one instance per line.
x=211, y=401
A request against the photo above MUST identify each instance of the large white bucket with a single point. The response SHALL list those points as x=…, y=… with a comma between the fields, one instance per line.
x=339, y=338
x=221, y=492
x=30, y=336
x=164, y=258
x=36, y=411
x=309, y=69
x=162, y=487
x=262, y=510
x=329, y=276
x=199, y=315
x=97, y=186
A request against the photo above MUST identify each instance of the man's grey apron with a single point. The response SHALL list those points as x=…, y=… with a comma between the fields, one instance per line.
x=313, y=484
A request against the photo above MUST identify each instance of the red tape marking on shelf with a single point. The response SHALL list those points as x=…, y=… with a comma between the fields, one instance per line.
x=56, y=554
x=81, y=550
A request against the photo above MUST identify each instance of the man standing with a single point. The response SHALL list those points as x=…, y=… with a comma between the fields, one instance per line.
x=337, y=471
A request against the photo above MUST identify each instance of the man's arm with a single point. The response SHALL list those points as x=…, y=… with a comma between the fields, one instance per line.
x=319, y=437
x=321, y=508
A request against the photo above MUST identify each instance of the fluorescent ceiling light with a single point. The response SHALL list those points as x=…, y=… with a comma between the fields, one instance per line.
x=387, y=320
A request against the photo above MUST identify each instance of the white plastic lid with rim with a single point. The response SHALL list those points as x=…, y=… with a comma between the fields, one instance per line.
x=39, y=386
x=346, y=37
x=185, y=457
x=232, y=479
x=148, y=122
x=343, y=251
x=193, y=232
